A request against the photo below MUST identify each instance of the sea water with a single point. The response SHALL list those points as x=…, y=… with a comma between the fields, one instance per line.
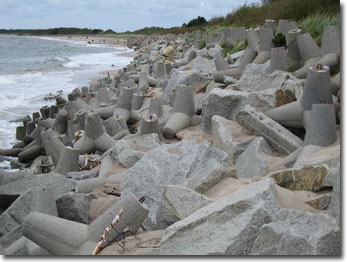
x=32, y=67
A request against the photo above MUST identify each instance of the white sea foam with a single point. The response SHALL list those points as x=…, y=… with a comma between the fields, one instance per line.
x=25, y=92
x=71, y=64
x=4, y=80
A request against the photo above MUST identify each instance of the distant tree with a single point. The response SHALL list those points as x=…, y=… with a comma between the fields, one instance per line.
x=109, y=31
x=269, y=1
x=200, y=20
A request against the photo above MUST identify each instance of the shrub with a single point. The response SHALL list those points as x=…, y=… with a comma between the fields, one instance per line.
x=279, y=40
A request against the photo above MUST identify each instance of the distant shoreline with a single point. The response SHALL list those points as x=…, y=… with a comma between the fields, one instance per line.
x=99, y=40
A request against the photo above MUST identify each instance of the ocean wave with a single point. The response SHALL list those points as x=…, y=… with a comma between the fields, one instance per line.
x=71, y=64
x=5, y=80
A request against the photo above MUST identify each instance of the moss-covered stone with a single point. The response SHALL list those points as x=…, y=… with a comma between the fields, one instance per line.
x=309, y=178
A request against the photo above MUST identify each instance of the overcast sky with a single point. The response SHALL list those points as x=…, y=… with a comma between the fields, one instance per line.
x=119, y=15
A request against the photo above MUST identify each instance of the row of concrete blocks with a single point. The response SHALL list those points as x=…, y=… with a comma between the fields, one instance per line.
x=47, y=234
x=96, y=137
x=302, y=52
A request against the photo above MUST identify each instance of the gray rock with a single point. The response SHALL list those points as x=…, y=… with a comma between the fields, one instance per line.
x=251, y=162
x=299, y=233
x=129, y=151
x=227, y=226
x=259, y=77
x=189, y=78
x=222, y=102
x=229, y=80
x=230, y=137
x=179, y=202
x=81, y=175
x=198, y=101
x=236, y=55
x=216, y=50
x=202, y=65
x=323, y=155
x=74, y=207
x=213, y=85
x=334, y=208
x=263, y=100
x=187, y=163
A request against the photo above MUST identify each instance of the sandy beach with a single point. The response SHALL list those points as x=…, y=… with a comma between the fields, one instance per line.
x=94, y=39
x=105, y=40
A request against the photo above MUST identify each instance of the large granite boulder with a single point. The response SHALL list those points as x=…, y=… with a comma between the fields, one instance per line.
x=228, y=226
x=130, y=150
x=187, y=163
x=179, y=202
x=74, y=207
x=230, y=137
x=189, y=78
x=202, y=65
x=258, y=77
x=299, y=233
x=222, y=102
x=252, y=161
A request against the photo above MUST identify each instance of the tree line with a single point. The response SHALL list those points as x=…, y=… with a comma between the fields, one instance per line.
x=56, y=31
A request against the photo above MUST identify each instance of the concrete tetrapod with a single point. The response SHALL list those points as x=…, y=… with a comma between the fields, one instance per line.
x=253, y=39
x=321, y=127
x=331, y=40
x=279, y=60
x=95, y=137
x=124, y=103
x=247, y=57
x=156, y=107
x=63, y=237
x=68, y=161
x=307, y=47
x=160, y=70
x=34, y=149
x=150, y=124
x=293, y=53
x=60, y=122
x=271, y=24
x=220, y=63
x=143, y=81
x=186, y=60
x=38, y=199
x=137, y=101
x=316, y=91
x=116, y=125
x=26, y=247
x=52, y=145
x=283, y=27
x=183, y=110
x=265, y=45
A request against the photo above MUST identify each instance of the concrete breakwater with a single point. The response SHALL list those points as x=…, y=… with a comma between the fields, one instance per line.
x=187, y=152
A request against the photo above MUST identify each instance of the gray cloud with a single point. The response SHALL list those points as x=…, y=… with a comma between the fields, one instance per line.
x=119, y=15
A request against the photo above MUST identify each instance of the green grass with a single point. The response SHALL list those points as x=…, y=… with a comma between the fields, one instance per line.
x=238, y=47
x=315, y=24
x=311, y=16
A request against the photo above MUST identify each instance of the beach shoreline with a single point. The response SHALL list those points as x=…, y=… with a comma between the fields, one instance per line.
x=104, y=40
